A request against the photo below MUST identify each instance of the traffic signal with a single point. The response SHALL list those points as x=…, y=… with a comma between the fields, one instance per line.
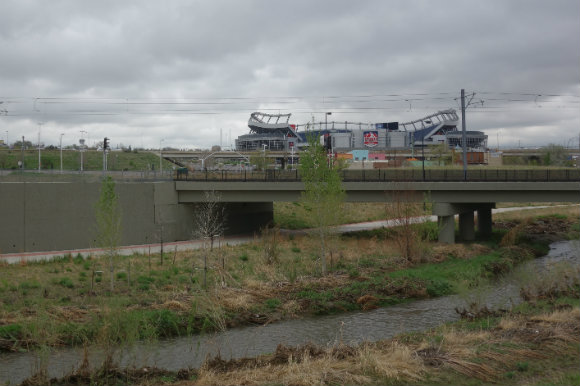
x=106, y=143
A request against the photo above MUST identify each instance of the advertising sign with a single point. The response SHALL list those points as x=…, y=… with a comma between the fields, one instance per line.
x=371, y=138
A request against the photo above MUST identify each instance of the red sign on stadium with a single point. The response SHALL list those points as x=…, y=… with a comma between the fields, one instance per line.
x=371, y=138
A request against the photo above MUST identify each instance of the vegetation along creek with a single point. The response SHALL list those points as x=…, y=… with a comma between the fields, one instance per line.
x=365, y=297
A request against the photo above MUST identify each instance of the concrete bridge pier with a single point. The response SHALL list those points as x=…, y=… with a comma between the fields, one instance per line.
x=446, y=212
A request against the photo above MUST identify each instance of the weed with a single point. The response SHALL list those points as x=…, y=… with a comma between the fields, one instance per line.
x=27, y=285
x=11, y=331
x=273, y=303
x=522, y=366
x=66, y=282
x=244, y=257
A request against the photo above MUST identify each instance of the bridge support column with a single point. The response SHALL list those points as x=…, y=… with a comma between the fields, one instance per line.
x=484, y=221
x=466, y=226
x=446, y=229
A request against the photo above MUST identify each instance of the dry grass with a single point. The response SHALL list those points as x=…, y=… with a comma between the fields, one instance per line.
x=483, y=355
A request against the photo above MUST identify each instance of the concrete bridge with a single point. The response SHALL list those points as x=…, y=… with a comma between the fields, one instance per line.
x=47, y=216
x=448, y=198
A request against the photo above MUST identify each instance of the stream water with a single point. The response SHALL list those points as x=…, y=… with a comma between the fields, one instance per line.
x=355, y=327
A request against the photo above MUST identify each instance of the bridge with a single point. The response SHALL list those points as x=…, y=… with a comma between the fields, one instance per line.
x=49, y=216
x=450, y=191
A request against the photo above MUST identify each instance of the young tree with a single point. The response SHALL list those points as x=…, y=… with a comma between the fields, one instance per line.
x=442, y=152
x=554, y=155
x=323, y=192
x=108, y=216
x=208, y=222
x=261, y=160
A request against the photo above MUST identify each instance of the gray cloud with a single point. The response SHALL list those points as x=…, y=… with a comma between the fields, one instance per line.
x=140, y=72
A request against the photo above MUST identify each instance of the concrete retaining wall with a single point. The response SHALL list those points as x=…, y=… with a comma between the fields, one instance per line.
x=60, y=216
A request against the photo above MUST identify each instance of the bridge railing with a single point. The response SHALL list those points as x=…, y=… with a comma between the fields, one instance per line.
x=386, y=175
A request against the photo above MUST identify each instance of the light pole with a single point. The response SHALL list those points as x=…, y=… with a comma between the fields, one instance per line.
x=39, y=127
x=264, y=146
x=61, y=134
x=161, y=157
x=326, y=119
x=82, y=146
x=326, y=127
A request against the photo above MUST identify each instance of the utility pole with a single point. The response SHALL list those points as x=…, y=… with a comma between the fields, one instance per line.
x=463, y=135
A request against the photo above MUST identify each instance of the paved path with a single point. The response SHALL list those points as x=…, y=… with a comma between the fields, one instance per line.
x=187, y=245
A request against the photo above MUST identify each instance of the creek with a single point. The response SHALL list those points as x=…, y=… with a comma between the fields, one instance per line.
x=350, y=328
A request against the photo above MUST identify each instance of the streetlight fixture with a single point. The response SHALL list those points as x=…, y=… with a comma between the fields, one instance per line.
x=61, y=134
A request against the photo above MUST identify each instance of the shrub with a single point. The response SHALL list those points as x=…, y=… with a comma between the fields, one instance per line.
x=273, y=303
x=11, y=331
x=66, y=282
x=26, y=285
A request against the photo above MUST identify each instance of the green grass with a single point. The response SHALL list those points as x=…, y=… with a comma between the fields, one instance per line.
x=92, y=160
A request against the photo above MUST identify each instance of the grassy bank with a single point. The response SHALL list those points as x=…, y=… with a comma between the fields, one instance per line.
x=68, y=302
x=71, y=160
x=535, y=343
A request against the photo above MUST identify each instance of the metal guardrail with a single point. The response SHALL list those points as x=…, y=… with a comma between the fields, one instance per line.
x=389, y=175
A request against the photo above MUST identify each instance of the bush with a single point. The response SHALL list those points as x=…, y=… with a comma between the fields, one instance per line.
x=11, y=331
x=66, y=282
x=273, y=303
x=166, y=322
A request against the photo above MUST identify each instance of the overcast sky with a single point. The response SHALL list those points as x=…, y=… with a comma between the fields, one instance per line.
x=179, y=73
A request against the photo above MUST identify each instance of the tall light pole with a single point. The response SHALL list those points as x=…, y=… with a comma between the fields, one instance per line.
x=61, y=134
x=82, y=146
x=326, y=127
x=161, y=157
x=463, y=135
x=39, y=127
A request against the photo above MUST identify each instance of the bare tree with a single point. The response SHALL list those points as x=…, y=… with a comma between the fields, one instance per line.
x=209, y=222
x=403, y=209
x=209, y=217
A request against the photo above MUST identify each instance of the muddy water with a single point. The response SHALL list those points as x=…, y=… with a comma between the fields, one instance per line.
x=174, y=354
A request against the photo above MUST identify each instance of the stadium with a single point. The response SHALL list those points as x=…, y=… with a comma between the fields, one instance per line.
x=274, y=132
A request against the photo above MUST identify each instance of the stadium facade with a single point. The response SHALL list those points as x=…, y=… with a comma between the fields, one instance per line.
x=273, y=132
